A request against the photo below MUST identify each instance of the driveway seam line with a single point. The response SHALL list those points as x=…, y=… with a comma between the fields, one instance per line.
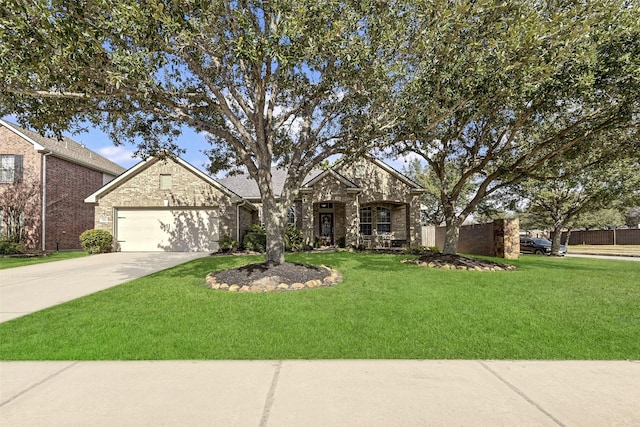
x=522, y=394
x=38, y=384
x=270, y=396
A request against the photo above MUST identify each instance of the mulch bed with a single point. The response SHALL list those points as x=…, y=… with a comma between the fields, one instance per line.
x=268, y=278
x=458, y=262
x=288, y=272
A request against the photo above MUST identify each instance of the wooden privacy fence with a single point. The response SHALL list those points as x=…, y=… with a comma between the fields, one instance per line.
x=627, y=236
x=428, y=235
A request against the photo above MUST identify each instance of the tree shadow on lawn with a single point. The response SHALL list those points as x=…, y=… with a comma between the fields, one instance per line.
x=578, y=265
x=352, y=261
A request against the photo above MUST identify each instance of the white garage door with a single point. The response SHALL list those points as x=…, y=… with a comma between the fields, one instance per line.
x=168, y=230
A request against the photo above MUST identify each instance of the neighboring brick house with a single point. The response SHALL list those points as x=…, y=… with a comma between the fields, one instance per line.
x=169, y=205
x=365, y=202
x=65, y=172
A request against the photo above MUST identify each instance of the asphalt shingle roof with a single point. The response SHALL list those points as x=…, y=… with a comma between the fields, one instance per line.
x=246, y=187
x=71, y=150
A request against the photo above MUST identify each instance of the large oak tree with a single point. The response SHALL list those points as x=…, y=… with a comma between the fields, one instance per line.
x=496, y=90
x=277, y=82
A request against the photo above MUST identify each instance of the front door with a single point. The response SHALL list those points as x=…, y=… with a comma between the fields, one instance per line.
x=326, y=229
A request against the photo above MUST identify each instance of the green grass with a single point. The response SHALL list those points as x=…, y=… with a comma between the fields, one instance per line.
x=10, y=262
x=551, y=308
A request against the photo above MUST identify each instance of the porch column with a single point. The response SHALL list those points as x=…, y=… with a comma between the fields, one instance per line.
x=307, y=220
x=414, y=224
x=352, y=221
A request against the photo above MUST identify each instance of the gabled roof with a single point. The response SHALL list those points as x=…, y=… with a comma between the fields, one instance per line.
x=246, y=187
x=66, y=149
x=331, y=171
x=415, y=187
x=150, y=161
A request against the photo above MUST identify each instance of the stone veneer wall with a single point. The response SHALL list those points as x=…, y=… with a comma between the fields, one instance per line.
x=187, y=190
x=379, y=188
x=507, y=238
x=500, y=238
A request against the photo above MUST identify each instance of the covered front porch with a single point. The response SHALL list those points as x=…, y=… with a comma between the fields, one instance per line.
x=373, y=225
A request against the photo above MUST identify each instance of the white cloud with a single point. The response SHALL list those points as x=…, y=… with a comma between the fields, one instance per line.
x=119, y=154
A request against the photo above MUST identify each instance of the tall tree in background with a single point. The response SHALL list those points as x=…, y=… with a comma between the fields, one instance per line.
x=496, y=90
x=278, y=82
x=560, y=200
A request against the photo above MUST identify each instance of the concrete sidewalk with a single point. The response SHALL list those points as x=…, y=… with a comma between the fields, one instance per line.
x=24, y=290
x=320, y=393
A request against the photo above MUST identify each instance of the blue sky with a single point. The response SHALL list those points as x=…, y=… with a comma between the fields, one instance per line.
x=194, y=143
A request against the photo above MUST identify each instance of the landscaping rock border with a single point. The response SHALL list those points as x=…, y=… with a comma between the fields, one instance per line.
x=275, y=283
x=458, y=262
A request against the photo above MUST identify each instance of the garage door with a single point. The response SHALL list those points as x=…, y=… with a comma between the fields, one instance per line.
x=169, y=230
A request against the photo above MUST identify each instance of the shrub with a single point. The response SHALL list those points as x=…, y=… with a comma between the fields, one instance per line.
x=96, y=241
x=255, y=240
x=293, y=241
x=9, y=248
x=256, y=228
x=228, y=244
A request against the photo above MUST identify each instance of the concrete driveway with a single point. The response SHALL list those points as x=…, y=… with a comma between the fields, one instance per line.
x=24, y=290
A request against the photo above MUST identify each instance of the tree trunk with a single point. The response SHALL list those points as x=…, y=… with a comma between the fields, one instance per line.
x=557, y=238
x=274, y=224
x=567, y=237
x=451, y=237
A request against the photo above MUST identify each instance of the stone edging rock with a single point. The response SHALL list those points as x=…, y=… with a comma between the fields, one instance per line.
x=268, y=284
x=456, y=262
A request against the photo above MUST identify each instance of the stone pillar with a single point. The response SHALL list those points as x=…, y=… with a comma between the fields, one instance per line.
x=351, y=221
x=415, y=226
x=307, y=220
x=506, y=240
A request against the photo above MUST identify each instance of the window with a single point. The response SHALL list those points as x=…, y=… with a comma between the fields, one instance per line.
x=383, y=220
x=10, y=169
x=366, y=225
x=165, y=182
x=375, y=218
x=291, y=216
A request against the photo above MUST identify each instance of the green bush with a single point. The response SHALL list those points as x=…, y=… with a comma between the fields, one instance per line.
x=228, y=243
x=9, y=248
x=256, y=242
x=293, y=241
x=256, y=228
x=96, y=241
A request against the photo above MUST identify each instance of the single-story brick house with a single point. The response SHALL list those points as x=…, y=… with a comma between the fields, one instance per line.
x=169, y=205
x=64, y=172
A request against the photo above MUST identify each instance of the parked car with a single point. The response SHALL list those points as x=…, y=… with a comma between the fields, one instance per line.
x=539, y=246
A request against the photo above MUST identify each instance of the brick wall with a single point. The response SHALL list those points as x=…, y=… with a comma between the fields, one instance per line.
x=68, y=184
x=500, y=238
x=12, y=144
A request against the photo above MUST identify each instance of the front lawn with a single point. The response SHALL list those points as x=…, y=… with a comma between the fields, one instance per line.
x=551, y=308
x=19, y=261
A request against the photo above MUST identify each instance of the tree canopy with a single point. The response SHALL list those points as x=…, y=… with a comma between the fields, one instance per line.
x=269, y=82
x=571, y=194
x=496, y=90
